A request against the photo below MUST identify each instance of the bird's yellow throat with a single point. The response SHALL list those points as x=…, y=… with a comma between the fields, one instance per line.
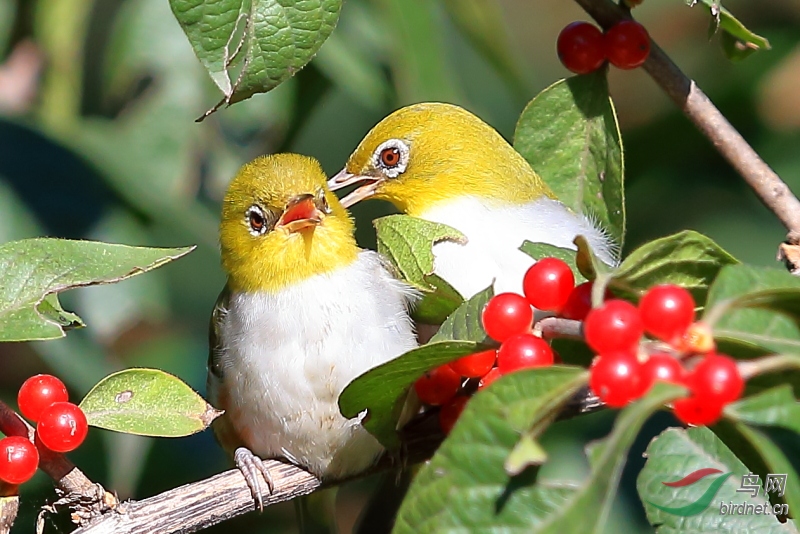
x=280, y=257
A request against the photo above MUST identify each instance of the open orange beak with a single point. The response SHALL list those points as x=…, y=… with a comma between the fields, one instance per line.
x=344, y=178
x=300, y=213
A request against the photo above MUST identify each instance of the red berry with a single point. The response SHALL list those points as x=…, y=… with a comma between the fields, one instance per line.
x=450, y=412
x=627, y=44
x=438, y=386
x=661, y=368
x=523, y=351
x=579, y=302
x=548, y=284
x=581, y=47
x=475, y=365
x=615, y=377
x=488, y=378
x=695, y=411
x=62, y=427
x=505, y=315
x=716, y=380
x=615, y=325
x=18, y=459
x=38, y=392
x=667, y=311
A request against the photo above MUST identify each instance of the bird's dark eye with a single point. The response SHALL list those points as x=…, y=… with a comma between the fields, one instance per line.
x=390, y=157
x=256, y=220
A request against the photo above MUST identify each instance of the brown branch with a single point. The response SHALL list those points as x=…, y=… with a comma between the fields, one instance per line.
x=9, y=506
x=772, y=191
x=199, y=505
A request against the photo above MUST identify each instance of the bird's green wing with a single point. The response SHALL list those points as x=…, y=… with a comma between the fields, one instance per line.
x=215, y=349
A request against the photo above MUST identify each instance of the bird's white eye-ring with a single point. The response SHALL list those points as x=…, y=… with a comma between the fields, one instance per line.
x=254, y=216
x=391, y=157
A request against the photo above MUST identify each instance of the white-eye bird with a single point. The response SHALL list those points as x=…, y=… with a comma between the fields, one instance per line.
x=441, y=163
x=304, y=312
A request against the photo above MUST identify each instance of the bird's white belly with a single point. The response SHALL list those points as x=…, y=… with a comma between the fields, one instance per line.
x=494, y=235
x=291, y=354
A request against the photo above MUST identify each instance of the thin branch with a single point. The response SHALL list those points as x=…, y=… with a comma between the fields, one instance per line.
x=9, y=506
x=772, y=191
x=199, y=505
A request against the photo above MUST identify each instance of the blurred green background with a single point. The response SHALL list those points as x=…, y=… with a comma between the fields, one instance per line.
x=98, y=140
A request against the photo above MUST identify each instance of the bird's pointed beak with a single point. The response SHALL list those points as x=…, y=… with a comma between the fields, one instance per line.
x=301, y=212
x=344, y=178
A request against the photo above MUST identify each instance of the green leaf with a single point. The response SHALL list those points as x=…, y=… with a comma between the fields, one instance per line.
x=776, y=462
x=407, y=242
x=745, y=286
x=544, y=250
x=588, y=508
x=735, y=49
x=439, y=303
x=382, y=390
x=570, y=135
x=676, y=453
x=32, y=271
x=733, y=31
x=251, y=46
x=688, y=259
x=465, y=323
x=592, y=269
x=147, y=402
x=465, y=487
x=756, y=307
x=774, y=407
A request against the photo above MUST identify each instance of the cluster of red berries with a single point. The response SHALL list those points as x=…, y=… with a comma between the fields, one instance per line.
x=622, y=372
x=624, y=369
x=583, y=48
x=60, y=426
x=549, y=285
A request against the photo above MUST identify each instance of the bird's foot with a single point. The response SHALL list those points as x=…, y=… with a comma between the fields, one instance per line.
x=251, y=465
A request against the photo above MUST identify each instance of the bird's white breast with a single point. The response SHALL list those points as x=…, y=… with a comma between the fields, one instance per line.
x=290, y=354
x=494, y=235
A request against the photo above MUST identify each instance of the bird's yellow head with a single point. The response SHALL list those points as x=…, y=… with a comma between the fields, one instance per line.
x=428, y=153
x=281, y=225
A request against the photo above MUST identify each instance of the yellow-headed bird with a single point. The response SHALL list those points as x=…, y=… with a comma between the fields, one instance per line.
x=303, y=313
x=441, y=163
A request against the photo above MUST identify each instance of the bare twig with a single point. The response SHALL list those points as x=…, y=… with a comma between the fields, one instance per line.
x=9, y=506
x=201, y=504
x=772, y=191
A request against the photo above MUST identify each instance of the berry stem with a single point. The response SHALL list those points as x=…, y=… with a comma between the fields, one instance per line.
x=556, y=327
x=769, y=187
